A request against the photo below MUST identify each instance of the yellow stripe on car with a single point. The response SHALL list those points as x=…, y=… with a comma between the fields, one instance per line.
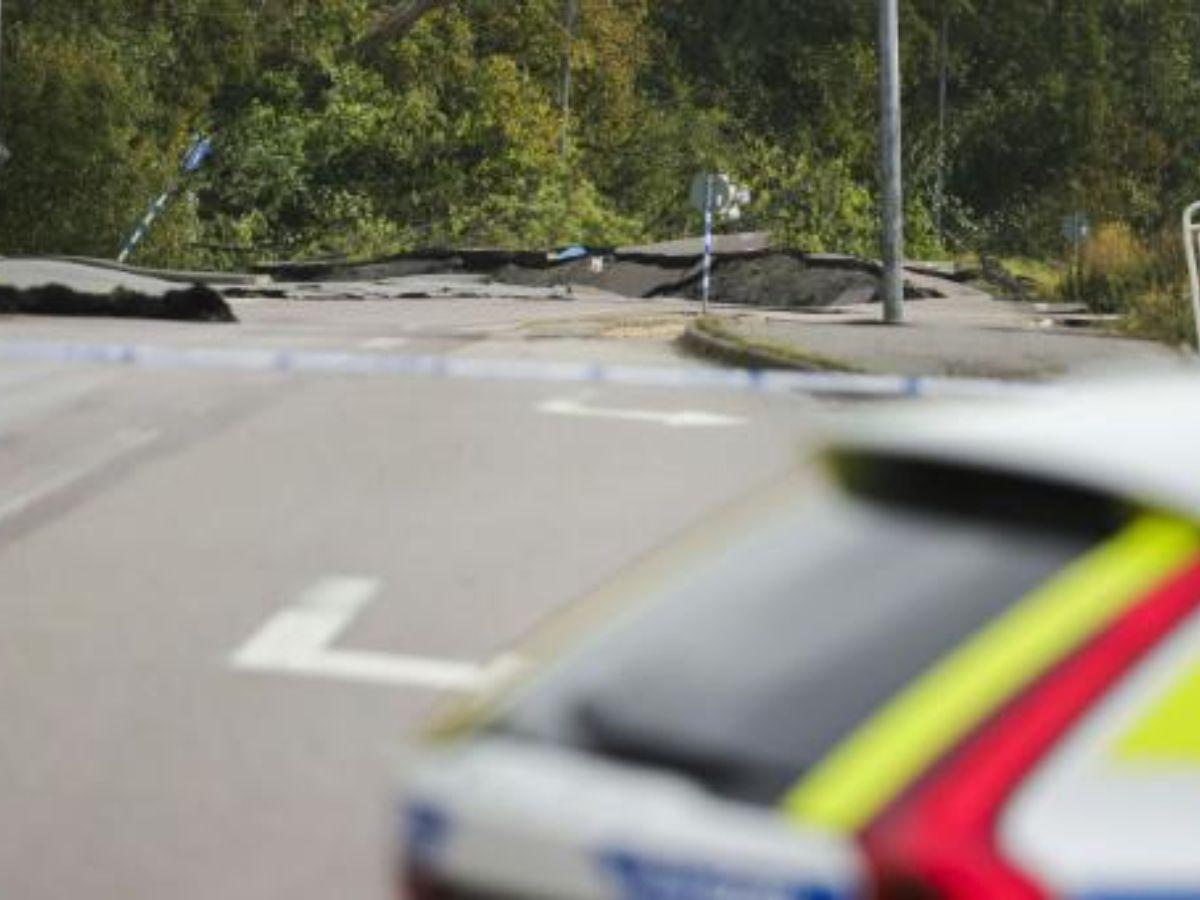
x=1170, y=732
x=895, y=746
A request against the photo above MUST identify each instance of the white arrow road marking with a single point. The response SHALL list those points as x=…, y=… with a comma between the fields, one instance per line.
x=297, y=641
x=680, y=419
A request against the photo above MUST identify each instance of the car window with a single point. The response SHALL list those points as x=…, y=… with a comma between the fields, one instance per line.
x=752, y=669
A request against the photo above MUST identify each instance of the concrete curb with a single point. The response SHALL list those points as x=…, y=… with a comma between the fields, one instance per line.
x=704, y=341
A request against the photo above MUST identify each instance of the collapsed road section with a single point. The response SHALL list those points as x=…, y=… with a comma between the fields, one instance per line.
x=746, y=271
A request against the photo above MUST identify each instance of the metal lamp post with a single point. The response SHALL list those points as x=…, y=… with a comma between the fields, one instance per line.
x=570, y=20
x=892, y=162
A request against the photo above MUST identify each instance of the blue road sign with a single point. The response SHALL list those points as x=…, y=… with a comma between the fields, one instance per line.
x=200, y=151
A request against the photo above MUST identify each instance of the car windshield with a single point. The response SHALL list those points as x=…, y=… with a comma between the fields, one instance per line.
x=751, y=670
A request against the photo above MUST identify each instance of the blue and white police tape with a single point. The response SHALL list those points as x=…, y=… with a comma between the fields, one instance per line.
x=318, y=362
x=156, y=209
x=197, y=153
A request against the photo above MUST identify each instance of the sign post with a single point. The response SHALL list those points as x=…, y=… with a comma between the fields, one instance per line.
x=708, y=242
x=1191, y=233
x=1075, y=231
x=712, y=194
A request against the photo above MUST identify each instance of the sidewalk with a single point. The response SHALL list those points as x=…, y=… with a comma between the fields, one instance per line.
x=966, y=333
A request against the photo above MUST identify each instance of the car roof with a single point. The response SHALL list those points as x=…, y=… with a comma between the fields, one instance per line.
x=1136, y=439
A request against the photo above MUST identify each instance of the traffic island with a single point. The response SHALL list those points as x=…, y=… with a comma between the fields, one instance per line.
x=946, y=338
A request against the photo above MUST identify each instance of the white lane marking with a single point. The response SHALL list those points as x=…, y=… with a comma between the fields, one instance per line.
x=298, y=641
x=384, y=343
x=679, y=419
x=123, y=444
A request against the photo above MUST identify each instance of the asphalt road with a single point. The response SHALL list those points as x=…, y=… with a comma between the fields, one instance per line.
x=228, y=597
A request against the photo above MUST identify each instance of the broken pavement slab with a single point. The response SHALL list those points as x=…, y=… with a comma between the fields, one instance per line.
x=420, y=287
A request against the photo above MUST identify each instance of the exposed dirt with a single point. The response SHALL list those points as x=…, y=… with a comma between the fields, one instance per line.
x=785, y=281
x=194, y=304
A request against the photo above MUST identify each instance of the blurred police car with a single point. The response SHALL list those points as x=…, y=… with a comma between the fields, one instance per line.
x=968, y=666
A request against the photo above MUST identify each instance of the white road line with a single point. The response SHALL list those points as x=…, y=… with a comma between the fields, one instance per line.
x=679, y=419
x=297, y=641
x=122, y=445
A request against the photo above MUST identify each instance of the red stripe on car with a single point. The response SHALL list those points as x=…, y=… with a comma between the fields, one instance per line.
x=939, y=840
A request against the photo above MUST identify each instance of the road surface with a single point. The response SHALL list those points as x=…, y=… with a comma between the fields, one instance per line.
x=229, y=596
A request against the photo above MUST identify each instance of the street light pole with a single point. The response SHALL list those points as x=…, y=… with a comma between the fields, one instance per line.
x=570, y=18
x=943, y=95
x=891, y=168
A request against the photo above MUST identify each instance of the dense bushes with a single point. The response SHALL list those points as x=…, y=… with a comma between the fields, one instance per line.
x=1142, y=280
x=451, y=134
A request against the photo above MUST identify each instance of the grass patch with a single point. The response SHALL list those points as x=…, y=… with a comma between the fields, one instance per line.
x=608, y=325
x=1163, y=315
x=1015, y=277
x=1044, y=277
x=1142, y=280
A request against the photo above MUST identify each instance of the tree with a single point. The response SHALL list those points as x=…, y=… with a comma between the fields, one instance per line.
x=397, y=23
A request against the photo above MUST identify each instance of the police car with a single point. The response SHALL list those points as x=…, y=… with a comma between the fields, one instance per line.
x=962, y=663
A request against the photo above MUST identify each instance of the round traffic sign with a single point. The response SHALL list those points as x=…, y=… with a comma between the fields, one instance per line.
x=722, y=196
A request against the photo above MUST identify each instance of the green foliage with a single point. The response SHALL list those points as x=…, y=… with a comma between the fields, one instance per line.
x=1140, y=280
x=1161, y=314
x=1115, y=267
x=452, y=133
x=77, y=190
x=809, y=205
